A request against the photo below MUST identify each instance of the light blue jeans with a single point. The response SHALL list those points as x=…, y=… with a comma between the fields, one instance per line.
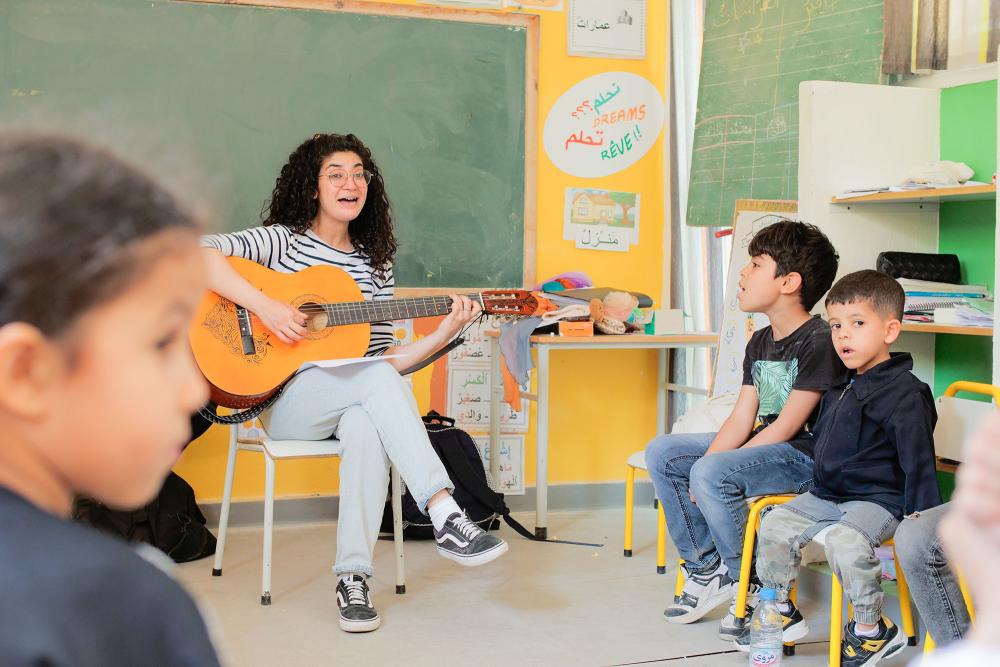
x=721, y=483
x=933, y=585
x=371, y=411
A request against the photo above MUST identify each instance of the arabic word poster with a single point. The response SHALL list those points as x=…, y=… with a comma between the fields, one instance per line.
x=606, y=28
x=476, y=349
x=603, y=124
x=469, y=402
x=601, y=219
x=510, y=474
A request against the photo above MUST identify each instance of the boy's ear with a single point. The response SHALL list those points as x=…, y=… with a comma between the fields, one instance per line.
x=791, y=282
x=28, y=366
x=892, y=330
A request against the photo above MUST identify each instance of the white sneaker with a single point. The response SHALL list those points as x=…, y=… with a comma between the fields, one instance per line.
x=703, y=592
x=729, y=627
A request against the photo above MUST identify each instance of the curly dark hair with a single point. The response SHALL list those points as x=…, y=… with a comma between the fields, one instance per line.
x=293, y=203
x=798, y=247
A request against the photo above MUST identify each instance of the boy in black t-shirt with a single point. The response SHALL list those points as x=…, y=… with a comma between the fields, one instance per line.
x=765, y=446
x=100, y=274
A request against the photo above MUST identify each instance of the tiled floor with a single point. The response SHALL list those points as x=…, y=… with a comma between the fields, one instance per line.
x=540, y=604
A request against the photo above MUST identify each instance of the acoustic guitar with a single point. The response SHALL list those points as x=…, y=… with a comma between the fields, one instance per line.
x=246, y=364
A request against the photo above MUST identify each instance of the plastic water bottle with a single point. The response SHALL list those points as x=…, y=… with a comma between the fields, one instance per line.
x=765, y=631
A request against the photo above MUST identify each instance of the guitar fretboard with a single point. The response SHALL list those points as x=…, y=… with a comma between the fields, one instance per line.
x=356, y=312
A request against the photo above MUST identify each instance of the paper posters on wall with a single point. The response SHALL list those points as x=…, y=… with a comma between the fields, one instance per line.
x=469, y=402
x=749, y=217
x=606, y=28
x=510, y=473
x=603, y=124
x=402, y=331
x=476, y=349
x=550, y=5
x=601, y=219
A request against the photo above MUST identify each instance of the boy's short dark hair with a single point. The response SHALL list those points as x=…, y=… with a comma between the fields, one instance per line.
x=798, y=247
x=71, y=216
x=883, y=293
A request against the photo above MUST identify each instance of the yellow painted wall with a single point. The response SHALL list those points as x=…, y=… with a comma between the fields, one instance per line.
x=602, y=403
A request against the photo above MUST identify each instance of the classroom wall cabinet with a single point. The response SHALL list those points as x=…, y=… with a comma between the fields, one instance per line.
x=858, y=135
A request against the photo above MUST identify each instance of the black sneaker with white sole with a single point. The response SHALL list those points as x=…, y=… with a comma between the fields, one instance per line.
x=357, y=611
x=730, y=628
x=793, y=628
x=464, y=542
x=856, y=650
x=702, y=592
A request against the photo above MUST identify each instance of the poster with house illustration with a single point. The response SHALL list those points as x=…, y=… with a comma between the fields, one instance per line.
x=601, y=219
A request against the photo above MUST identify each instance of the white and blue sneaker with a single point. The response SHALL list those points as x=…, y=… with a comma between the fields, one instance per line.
x=464, y=542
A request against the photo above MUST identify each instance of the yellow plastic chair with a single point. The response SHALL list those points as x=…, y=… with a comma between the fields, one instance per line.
x=638, y=462
x=757, y=506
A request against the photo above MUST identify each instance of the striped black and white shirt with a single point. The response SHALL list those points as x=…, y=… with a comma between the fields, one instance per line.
x=280, y=249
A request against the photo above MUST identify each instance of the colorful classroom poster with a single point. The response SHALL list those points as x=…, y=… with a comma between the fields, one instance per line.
x=606, y=28
x=469, y=402
x=480, y=4
x=510, y=474
x=601, y=219
x=603, y=124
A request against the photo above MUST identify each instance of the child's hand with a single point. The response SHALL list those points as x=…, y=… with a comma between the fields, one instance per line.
x=285, y=322
x=463, y=311
x=691, y=496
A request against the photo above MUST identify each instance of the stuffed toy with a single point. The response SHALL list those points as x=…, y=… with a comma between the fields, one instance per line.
x=616, y=314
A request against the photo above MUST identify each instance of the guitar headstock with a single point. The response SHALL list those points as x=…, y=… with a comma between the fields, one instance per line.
x=510, y=302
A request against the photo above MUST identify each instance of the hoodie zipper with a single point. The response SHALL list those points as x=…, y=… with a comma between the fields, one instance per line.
x=836, y=409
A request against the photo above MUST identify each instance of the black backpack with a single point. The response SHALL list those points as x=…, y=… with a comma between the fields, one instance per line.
x=172, y=522
x=461, y=458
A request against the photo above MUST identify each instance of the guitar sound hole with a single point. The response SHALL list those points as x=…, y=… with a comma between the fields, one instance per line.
x=316, y=319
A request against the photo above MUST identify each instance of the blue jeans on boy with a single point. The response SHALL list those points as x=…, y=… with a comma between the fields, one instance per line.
x=713, y=529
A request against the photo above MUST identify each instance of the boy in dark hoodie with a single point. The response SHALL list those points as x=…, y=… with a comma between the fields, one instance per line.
x=874, y=463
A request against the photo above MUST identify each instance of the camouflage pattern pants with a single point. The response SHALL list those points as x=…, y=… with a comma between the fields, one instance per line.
x=856, y=528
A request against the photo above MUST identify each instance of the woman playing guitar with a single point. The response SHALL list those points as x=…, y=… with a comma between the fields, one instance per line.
x=329, y=206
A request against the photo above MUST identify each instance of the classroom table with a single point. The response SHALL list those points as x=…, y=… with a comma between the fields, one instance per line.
x=544, y=344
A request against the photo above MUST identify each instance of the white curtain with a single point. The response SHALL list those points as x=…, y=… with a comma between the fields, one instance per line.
x=699, y=258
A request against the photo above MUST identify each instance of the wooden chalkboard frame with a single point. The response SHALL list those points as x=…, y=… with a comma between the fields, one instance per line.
x=530, y=22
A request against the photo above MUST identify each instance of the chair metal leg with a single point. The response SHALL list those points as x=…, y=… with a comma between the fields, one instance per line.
x=227, y=497
x=928, y=643
x=967, y=596
x=905, y=608
x=265, y=596
x=397, y=529
x=629, y=503
x=789, y=647
x=836, y=619
x=743, y=585
x=661, y=541
x=679, y=584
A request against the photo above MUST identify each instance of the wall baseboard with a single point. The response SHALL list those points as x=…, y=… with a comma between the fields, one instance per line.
x=562, y=497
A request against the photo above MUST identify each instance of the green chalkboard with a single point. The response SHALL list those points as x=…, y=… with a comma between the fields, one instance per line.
x=441, y=103
x=755, y=54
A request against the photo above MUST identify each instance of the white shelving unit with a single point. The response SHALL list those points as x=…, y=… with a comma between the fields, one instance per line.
x=856, y=135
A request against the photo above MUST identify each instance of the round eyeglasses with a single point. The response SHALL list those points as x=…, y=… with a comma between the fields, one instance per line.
x=339, y=178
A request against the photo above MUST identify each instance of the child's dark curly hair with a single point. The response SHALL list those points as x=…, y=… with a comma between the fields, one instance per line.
x=293, y=203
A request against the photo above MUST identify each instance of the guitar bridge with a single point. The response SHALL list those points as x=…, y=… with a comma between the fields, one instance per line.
x=246, y=331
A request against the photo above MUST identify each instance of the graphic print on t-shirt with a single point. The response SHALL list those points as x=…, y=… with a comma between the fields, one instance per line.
x=773, y=381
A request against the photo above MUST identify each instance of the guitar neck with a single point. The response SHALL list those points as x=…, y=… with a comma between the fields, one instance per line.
x=382, y=310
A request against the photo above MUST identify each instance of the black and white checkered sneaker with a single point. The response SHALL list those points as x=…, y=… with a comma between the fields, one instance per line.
x=464, y=542
x=357, y=611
